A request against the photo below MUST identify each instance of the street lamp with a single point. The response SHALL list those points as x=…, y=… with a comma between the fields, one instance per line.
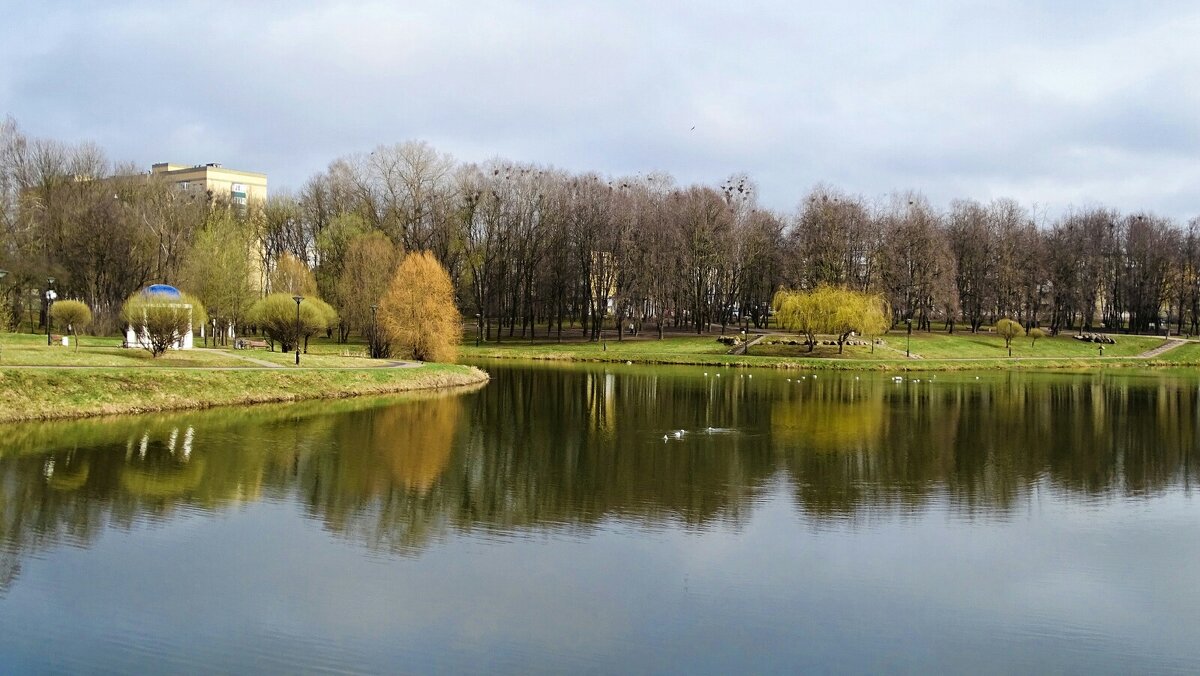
x=297, y=299
x=3, y=274
x=374, y=353
x=50, y=296
x=908, y=341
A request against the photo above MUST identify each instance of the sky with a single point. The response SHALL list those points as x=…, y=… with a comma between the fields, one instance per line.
x=1059, y=105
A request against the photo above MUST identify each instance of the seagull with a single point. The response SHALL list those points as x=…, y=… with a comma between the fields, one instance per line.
x=678, y=434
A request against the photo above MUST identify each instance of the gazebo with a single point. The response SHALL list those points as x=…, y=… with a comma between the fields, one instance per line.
x=161, y=294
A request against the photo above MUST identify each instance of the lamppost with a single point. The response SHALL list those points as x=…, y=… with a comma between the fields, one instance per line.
x=50, y=296
x=478, y=328
x=3, y=274
x=297, y=299
x=371, y=346
x=908, y=341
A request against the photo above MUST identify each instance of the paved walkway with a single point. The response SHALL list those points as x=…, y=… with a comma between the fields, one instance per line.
x=261, y=362
x=1168, y=345
x=741, y=349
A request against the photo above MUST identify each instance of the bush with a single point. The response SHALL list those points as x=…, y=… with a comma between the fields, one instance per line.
x=162, y=319
x=1008, y=329
x=419, y=313
x=73, y=314
x=276, y=316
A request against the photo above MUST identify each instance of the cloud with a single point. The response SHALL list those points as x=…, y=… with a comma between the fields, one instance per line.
x=1084, y=103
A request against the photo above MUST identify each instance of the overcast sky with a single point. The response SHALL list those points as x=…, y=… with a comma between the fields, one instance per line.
x=1084, y=103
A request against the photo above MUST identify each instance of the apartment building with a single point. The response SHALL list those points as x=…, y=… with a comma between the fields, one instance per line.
x=214, y=180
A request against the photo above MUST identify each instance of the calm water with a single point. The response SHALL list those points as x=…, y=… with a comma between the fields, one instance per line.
x=1010, y=523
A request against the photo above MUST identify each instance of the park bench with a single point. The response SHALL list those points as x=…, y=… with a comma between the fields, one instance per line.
x=244, y=344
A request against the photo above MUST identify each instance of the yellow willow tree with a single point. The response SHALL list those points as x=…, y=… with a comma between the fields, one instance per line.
x=831, y=310
x=418, y=312
x=876, y=317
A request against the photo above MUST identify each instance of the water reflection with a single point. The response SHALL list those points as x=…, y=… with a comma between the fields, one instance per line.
x=547, y=449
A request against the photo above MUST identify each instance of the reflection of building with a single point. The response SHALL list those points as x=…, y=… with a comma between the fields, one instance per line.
x=215, y=181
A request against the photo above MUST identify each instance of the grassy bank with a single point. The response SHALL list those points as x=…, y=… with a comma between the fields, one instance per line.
x=23, y=349
x=51, y=393
x=931, y=352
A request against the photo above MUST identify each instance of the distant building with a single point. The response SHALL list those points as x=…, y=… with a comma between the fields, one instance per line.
x=215, y=181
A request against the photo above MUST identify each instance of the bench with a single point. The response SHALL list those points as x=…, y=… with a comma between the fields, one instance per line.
x=244, y=344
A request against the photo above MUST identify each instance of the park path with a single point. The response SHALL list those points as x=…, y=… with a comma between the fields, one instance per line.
x=741, y=349
x=261, y=362
x=1168, y=345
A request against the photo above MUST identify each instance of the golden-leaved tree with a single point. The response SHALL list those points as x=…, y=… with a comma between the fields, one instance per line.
x=292, y=276
x=419, y=313
x=832, y=310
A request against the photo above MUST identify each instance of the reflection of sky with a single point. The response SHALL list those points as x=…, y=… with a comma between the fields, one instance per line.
x=1087, y=586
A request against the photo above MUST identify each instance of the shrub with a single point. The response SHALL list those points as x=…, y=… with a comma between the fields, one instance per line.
x=1008, y=329
x=73, y=314
x=162, y=319
x=1034, y=334
x=276, y=316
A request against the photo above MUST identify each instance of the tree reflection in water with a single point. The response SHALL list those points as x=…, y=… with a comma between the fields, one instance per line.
x=567, y=448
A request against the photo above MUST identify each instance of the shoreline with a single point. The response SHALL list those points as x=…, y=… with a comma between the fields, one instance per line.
x=833, y=364
x=31, y=394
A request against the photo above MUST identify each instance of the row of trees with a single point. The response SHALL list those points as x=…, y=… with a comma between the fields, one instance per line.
x=533, y=251
x=416, y=316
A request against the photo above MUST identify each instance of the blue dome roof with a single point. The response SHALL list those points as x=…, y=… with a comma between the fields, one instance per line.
x=161, y=290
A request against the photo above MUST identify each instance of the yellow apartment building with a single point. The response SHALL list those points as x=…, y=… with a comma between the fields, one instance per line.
x=239, y=187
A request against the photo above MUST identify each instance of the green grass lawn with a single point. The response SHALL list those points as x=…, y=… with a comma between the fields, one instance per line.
x=112, y=379
x=990, y=346
x=24, y=349
x=1185, y=355
x=934, y=351
x=40, y=394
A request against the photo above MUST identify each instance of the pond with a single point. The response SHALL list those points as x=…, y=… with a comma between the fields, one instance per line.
x=619, y=519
